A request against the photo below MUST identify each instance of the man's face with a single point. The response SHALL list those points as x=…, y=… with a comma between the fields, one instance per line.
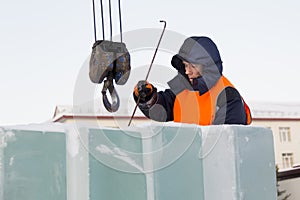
x=193, y=70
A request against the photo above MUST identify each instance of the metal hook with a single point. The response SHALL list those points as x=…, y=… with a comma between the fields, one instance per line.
x=114, y=106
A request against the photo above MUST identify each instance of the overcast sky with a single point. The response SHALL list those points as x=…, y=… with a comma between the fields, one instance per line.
x=45, y=44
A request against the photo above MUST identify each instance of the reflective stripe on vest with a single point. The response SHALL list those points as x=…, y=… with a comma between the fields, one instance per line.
x=187, y=106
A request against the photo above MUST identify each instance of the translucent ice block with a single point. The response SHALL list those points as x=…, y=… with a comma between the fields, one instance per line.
x=238, y=163
x=116, y=165
x=222, y=162
x=32, y=164
x=150, y=162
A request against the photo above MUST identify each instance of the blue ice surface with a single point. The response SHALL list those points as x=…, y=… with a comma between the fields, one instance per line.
x=152, y=161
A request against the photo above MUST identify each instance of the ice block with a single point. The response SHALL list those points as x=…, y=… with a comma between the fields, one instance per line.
x=32, y=164
x=155, y=161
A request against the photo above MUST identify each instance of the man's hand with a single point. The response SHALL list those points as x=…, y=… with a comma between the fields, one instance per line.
x=143, y=90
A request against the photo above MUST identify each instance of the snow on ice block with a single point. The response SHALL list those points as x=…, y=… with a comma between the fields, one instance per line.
x=32, y=163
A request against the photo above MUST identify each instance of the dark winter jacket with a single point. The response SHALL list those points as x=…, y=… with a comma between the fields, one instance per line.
x=197, y=50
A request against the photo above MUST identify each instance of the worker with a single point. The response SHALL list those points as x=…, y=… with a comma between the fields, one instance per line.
x=198, y=94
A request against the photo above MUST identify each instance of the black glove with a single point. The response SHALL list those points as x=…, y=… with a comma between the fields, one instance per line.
x=144, y=90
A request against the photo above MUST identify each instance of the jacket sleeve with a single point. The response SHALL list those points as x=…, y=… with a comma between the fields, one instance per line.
x=230, y=108
x=160, y=106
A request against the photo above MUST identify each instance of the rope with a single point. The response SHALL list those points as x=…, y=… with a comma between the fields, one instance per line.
x=101, y=5
x=110, y=20
x=120, y=19
x=95, y=31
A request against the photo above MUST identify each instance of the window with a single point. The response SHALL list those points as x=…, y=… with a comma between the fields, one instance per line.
x=287, y=160
x=284, y=134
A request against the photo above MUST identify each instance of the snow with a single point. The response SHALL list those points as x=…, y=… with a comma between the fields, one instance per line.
x=119, y=154
x=275, y=110
x=41, y=127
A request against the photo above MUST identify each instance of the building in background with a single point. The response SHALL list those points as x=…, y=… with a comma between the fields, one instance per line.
x=96, y=117
x=284, y=121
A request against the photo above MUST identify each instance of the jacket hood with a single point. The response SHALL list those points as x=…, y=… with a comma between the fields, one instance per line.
x=202, y=50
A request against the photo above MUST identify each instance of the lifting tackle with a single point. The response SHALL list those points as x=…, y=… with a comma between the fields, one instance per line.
x=109, y=62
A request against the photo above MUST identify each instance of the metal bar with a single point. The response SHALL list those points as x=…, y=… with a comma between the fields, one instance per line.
x=165, y=24
x=137, y=103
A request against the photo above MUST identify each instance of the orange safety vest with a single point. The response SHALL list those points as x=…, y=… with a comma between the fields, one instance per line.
x=190, y=107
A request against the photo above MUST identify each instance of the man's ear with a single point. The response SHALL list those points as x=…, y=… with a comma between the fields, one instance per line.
x=200, y=68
